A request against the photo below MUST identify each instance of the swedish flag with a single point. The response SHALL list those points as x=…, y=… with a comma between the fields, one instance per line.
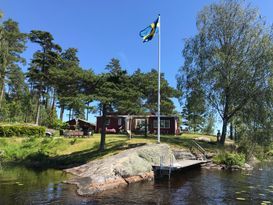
x=148, y=33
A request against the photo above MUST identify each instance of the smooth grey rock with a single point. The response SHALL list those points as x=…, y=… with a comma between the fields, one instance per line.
x=183, y=155
x=247, y=167
x=235, y=167
x=113, y=171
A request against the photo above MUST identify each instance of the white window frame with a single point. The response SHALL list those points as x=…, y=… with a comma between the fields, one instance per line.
x=139, y=122
x=163, y=124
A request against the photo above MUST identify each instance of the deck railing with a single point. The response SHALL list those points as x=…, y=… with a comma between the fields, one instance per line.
x=199, y=149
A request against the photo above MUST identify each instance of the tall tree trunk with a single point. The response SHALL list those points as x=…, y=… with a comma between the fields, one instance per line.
x=87, y=111
x=62, y=113
x=2, y=91
x=38, y=112
x=146, y=128
x=25, y=118
x=224, y=132
x=2, y=78
x=103, y=129
x=231, y=131
x=53, y=102
x=225, y=118
x=52, y=108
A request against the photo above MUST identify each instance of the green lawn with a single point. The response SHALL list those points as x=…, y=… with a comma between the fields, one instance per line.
x=66, y=152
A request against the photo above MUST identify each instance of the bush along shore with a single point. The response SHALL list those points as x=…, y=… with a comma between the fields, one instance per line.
x=231, y=161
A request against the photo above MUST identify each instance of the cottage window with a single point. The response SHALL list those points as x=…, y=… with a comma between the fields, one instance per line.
x=140, y=123
x=163, y=124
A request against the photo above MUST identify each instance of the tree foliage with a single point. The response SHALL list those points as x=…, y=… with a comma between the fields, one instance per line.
x=55, y=79
x=147, y=85
x=230, y=56
x=12, y=44
x=194, y=110
x=39, y=71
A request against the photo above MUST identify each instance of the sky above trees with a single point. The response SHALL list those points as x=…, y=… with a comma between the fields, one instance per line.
x=102, y=29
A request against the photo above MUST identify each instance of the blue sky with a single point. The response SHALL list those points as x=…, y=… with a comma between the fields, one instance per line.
x=103, y=29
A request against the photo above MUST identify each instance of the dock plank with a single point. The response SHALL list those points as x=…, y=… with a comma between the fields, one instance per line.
x=179, y=165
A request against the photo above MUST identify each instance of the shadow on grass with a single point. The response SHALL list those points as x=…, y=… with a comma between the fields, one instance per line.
x=42, y=160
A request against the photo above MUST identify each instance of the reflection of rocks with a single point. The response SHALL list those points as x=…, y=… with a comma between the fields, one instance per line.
x=141, y=177
x=213, y=166
x=126, y=167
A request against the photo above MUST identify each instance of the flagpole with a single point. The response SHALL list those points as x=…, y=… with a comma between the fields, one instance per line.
x=158, y=94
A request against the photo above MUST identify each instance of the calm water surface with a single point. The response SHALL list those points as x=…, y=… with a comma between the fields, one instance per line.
x=19, y=185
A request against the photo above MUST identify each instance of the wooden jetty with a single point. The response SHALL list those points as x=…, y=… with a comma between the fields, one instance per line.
x=166, y=170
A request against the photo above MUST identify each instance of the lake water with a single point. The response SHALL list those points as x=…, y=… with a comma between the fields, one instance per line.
x=19, y=185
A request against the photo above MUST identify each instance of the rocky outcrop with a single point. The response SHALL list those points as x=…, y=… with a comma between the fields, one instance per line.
x=129, y=166
x=183, y=154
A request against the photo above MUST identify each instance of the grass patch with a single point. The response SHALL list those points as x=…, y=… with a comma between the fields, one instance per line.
x=67, y=152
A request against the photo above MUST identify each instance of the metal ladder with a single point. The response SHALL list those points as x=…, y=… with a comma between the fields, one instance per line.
x=200, y=149
x=170, y=166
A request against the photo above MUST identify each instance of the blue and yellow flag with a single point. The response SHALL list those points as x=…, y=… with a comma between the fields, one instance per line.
x=148, y=33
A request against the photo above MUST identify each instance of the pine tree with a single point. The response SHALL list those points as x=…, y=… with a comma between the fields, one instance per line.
x=116, y=92
x=12, y=44
x=148, y=86
x=39, y=72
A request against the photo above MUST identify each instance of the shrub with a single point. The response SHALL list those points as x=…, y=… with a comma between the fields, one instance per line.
x=269, y=154
x=251, y=148
x=38, y=156
x=229, y=158
x=21, y=131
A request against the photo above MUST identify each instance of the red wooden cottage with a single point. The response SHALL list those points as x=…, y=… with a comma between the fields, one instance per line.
x=136, y=124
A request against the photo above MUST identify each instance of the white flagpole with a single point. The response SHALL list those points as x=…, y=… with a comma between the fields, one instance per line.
x=158, y=94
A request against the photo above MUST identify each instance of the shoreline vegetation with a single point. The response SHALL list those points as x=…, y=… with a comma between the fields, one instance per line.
x=60, y=152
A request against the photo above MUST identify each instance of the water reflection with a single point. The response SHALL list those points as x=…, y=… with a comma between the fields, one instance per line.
x=24, y=186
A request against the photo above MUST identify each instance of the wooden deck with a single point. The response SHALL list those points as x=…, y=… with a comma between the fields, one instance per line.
x=164, y=170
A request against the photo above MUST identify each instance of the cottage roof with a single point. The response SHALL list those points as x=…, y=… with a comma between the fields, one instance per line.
x=80, y=120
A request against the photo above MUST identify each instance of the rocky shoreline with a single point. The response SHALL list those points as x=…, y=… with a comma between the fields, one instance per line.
x=130, y=166
x=127, y=167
